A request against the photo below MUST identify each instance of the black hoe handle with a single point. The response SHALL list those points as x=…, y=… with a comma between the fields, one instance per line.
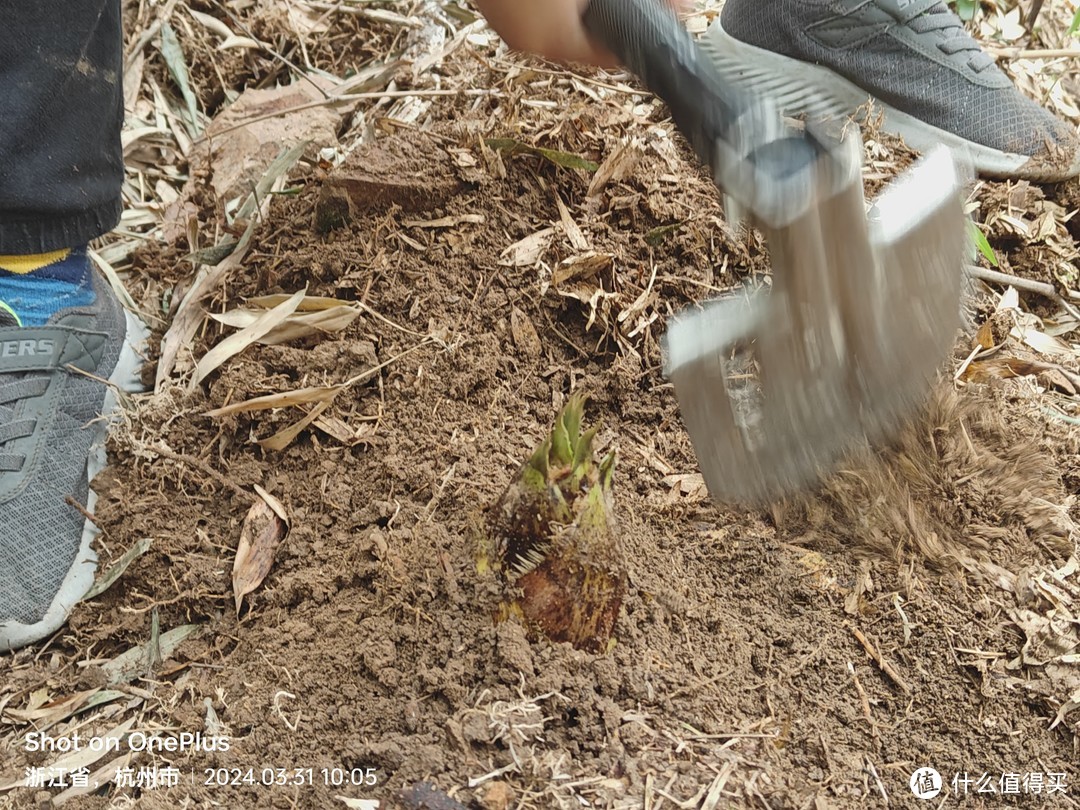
x=648, y=38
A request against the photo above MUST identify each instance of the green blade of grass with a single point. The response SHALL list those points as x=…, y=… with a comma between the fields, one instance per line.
x=173, y=54
x=564, y=159
x=981, y=242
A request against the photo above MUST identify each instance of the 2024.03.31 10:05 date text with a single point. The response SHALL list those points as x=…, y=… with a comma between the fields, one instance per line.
x=291, y=777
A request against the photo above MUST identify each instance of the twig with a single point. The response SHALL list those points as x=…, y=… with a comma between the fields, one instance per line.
x=297, y=71
x=390, y=323
x=151, y=32
x=347, y=97
x=363, y=375
x=184, y=458
x=82, y=510
x=885, y=666
x=964, y=366
x=1038, y=287
x=864, y=700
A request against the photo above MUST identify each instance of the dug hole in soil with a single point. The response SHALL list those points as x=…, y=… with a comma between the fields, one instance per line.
x=814, y=655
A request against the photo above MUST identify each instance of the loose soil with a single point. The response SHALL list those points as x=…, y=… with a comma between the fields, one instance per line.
x=809, y=656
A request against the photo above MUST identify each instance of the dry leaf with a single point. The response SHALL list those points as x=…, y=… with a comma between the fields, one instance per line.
x=212, y=23
x=570, y=228
x=283, y=438
x=301, y=396
x=527, y=252
x=686, y=488
x=616, y=166
x=445, y=222
x=188, y=316
x=293, y=327
x=592, y=296
x=1042, y=342
x=864, y=584
x=1049, y=375
x=134, y=663
x=265, y=526
x=581, y=268
x=343, y=432
x=54, y=711
x=309, y=303
x=239, y=42
x=234, y=344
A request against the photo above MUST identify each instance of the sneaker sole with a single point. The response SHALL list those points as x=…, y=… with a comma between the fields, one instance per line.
x=80, y=577
x=805, y=88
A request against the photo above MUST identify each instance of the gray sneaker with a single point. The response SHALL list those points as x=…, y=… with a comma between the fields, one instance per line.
x=932, y=81
x=52, y=443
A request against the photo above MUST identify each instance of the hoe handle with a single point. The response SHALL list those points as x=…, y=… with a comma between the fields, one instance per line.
x=742, y=139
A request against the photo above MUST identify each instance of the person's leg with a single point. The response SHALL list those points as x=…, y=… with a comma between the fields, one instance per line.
x=61, y=93
x=914, y=58
x=63, y=334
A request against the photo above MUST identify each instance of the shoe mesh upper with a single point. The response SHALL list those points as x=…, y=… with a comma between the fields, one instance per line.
x=926, y=66
x=40, y=533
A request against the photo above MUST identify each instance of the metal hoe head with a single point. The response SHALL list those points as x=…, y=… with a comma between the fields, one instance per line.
x=775, y=390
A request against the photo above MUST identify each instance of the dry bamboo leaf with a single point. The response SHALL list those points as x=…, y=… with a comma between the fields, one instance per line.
x=570, y=228
x=306, y=20
x=301, y=396
x=641, y=303
x=283, y=438
x=52, y=712
x=133, y=137
x=686, y=488
x=527, y=252
x=1010, y=299
x=276, y=173
x=295, y=326
x=188, y=315
x=616, y=166
x=59, y=710
x=234, y=344
x=310, y=303
x=239, y=42
x=105, y=581
x=115, y=283
x=265, y=526
x=133, y=78
x=133, y=663
x=273, y=503
x=1042, y=342
x=1049, y=375
x=446, y=222
x=592, y=296
x=581, y=268
x=343, y=432
x=984, y=337
x=211, y=23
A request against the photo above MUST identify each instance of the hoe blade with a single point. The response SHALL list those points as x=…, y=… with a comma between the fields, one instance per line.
x=775, y=391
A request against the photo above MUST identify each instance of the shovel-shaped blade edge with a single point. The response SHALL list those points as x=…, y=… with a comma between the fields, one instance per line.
x=845, y=347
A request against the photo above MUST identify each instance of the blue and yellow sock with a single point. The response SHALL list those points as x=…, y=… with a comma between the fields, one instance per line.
x=34, y=288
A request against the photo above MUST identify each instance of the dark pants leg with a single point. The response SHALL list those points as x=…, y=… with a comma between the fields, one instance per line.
x=61, y=109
